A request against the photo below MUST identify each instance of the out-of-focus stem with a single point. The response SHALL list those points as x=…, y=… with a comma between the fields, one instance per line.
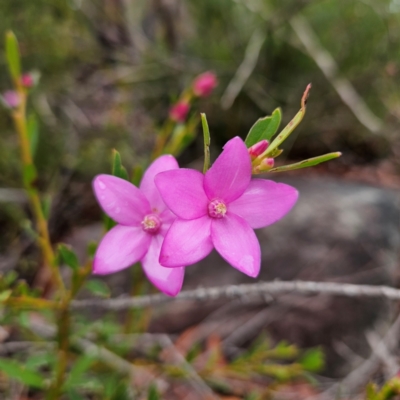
x=63, y=335
x=162, y=138
x=19, y=118
x=167, y=128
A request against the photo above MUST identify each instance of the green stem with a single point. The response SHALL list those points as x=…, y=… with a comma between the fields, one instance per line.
x=19, y=118
x=63, y=334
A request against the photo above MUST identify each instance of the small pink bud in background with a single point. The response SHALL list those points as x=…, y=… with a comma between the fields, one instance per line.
x=10, y=99
x=204, y=84
x=179, y=111
x=27, y=80
x=258, y=148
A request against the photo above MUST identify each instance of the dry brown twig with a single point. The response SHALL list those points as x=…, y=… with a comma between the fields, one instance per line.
x=261, y=289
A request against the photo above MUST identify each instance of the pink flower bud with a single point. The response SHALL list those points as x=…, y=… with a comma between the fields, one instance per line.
x=27, y=80
x=265, y=165
x=204, y=84
x=10, y=99
x=179, y=111
x=258, y=148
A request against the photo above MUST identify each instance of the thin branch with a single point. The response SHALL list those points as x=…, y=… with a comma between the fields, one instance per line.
x=245, y=69
x=263, y=289
x=360, y=376
x=328, y=66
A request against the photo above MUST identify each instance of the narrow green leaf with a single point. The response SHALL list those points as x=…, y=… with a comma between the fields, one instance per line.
x=79, y=368
x=73, y=394
x=290, y=127
x=137, y=174
x=207, y=141
x=29, y=175
x=264, y=129
x=117, y=168
x=46, y=206
x=371, y=392
x=91, y=249
x=12, y=55
x=98, y=287
x=10, y=277
x=33, y=133
x=68, y=256
x=153, y=393
x=40, y=360
x=313, y=360
x=16, y=371
x=4, y=295
x=307, y=163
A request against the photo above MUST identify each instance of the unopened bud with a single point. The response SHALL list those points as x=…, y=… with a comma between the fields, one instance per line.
x=258, y=148
x=30, y=79
x=10, y=99
x=179, y=111
x=265, y=165
x=204, y=84
x=27, y=80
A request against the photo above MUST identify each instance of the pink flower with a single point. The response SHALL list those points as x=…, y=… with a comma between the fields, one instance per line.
x=143, y=220
x=204, y=84
x=220, y=209
x=179, y=111
x=10, y=99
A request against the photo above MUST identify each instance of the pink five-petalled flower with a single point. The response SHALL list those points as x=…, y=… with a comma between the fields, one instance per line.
x=220, y=209
x=143, y=219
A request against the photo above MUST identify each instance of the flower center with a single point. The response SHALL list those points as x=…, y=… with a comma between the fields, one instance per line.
x=217, y=209
x=151, y=223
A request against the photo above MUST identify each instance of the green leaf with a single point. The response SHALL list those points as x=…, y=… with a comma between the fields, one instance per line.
x=371, y=392
x=4, y=295
x=12, y=55
x=73, y=394
x=33, y=133
x=313, y=360
x=91, y=249
x=46, y=206
x=10, y=278
x=98, y=288
x=137, y=174
x=290, y=127
x=264, y=129
x=79, y=368
x=29, y=176
x=40, y=360
x=68, y=256
x=307, y=163
x=117, y=168
x=16, y=371
x=153, y=393
x=207, y=141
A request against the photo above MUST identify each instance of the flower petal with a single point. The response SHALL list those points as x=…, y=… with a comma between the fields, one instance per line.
x=237, y=243
x=120, y=200
x=121, y=247
x=230, y=174
x=147, y=185
x=183, y=193
x=186, y=242
x=264, y=202
x=168, y=280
